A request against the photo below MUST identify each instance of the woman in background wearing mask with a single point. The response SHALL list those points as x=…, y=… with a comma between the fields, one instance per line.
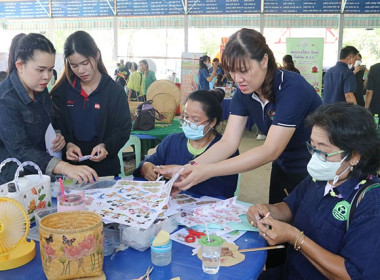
x=203, y=112
x=204, y=77
x=326, y=239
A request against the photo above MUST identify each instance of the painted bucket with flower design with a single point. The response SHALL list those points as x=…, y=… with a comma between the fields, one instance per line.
x=72, y=245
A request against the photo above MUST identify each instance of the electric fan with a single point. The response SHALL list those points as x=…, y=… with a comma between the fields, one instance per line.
x=15, y=250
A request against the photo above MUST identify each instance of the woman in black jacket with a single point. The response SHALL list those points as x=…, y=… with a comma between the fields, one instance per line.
x=91, y=109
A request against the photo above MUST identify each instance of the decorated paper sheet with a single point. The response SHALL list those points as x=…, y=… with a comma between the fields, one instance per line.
x=220, y=213
x=133, y=203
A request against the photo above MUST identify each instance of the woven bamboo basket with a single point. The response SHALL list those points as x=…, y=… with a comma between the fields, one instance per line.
x=72, y=245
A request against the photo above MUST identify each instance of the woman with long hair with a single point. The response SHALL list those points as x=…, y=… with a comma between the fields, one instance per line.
x=148, y=77
x=288, y=64
x=26, y=111
x=204, y=77
x=91, y=109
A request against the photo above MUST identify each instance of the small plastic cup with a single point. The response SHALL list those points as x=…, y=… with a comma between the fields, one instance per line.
x=211, y=253
x=161, y=255
x=73, y=202
x=109, y=241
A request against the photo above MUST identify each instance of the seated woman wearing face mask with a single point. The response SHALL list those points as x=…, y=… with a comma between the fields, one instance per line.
x=327, y=239
x=203, y=112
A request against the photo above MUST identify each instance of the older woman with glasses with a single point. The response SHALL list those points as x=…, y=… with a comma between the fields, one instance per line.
x=331, y=220
x=203, y=113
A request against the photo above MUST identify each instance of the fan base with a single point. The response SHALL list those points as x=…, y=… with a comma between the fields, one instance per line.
x=21, y=255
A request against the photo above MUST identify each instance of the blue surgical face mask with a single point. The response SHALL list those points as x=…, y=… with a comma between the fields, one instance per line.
x=194, y=134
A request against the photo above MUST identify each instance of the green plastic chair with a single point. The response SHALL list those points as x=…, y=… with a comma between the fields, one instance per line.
x=135, y=141
x=236, y=193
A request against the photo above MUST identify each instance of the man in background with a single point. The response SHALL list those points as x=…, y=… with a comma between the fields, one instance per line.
x=339, y=81
x=372, y=100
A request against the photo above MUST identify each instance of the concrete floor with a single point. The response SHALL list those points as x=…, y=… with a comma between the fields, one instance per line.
x=254, y=186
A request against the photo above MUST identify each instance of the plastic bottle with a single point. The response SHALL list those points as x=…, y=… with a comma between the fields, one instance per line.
x=376, y=119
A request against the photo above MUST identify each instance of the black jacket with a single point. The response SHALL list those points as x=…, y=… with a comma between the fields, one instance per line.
x=114, y=126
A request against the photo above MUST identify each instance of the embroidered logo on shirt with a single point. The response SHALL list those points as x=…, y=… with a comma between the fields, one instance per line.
x=271, y=114
x=341, y=210
x=70, y=102
x=97, y=106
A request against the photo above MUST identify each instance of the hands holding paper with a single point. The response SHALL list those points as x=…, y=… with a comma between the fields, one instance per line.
x=74, y=153
x=190, y=176
x=58, y=143
x=271, y=227
x=99, y=153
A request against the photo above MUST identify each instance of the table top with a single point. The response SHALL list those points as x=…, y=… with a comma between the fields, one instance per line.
x=130, y=264
x=160, y=131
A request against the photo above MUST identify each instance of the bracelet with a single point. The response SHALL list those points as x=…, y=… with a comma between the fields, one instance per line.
x=300, y=245
x=193, y=162
x=297, y=239
x=63, y=168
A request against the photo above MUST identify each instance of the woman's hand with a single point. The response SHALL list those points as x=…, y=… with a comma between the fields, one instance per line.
x=276, y=232
x=147, y=170
x=58, y=143
x=73, y=152
x=257, y=212
x=81, y=173
x=99, y=153
x=193, y=175
x=168, y=171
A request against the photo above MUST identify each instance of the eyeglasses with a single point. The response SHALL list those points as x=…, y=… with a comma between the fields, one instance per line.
x=184, y=121
x=321, y=155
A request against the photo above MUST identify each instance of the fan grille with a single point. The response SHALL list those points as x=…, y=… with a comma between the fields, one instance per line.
x=14, y=224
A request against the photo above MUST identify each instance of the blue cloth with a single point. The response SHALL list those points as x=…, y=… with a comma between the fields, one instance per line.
x=173, y=150
x=313, y=213
x=295, y=98
x=23, y=123
x=203, y=84
x=338, y=81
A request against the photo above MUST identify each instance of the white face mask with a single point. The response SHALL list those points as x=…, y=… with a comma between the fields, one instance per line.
x=358, y=62
x=324, y=170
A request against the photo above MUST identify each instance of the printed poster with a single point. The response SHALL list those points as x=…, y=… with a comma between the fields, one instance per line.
x=189, y=74
x=307, y=55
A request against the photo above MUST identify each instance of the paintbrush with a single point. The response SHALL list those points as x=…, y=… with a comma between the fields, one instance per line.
x=262, y=248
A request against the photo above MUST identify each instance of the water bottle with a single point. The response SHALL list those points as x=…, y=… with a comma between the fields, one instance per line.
x=376, y=119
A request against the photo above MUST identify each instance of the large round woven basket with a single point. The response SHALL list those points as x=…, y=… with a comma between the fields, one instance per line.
x=71, y=245
x=166, y=98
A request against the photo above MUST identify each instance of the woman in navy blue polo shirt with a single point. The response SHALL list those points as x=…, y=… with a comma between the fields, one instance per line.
x=202, y=115
x=204, y=77
x=330, y=236
x=91, y=109
x=278, y=102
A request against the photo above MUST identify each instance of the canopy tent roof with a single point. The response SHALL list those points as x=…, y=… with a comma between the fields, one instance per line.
x=198, y=13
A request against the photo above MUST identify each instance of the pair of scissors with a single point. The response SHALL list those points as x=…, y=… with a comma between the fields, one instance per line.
x=190, y=238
